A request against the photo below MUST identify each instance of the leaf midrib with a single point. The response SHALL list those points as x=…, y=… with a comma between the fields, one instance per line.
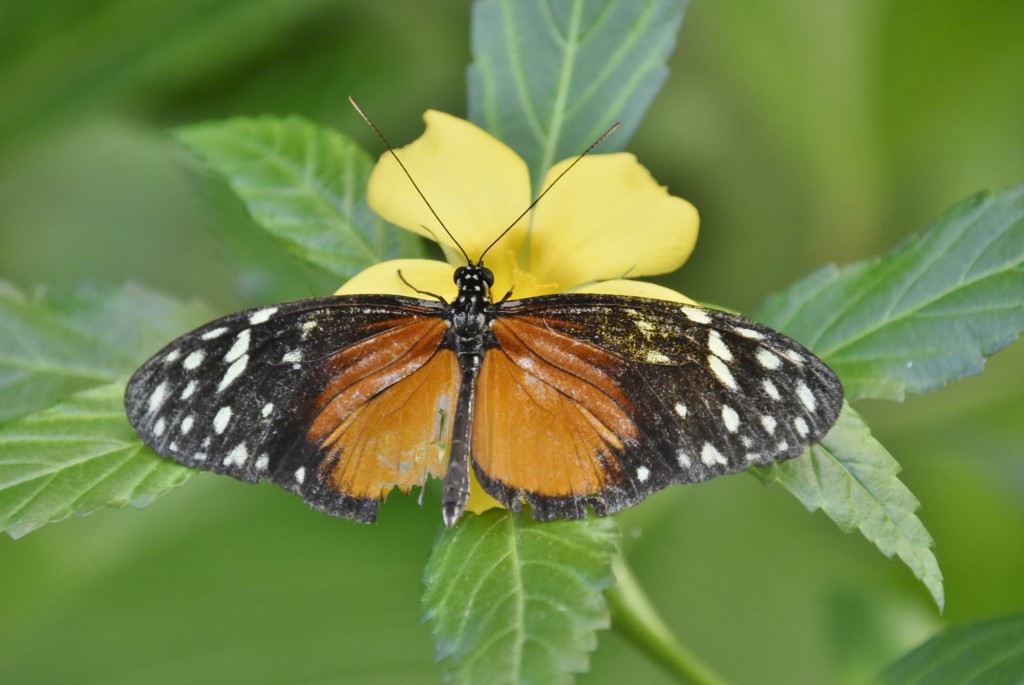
x=549, y=144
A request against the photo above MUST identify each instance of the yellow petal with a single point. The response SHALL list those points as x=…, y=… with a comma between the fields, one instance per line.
x=630, y=288
x=608, y=218
x=428, y=275
x=479, y=501
x=475, y=183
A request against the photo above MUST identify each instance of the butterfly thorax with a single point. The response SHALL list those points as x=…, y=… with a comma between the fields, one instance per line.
x=470, y=318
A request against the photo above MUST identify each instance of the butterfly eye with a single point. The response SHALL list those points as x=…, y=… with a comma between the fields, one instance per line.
x=488, y=276
x=459, y=273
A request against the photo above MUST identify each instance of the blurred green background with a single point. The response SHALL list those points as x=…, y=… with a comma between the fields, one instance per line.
x=804, y=132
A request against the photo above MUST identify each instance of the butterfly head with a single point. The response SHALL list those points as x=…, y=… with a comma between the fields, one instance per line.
x=474, y=282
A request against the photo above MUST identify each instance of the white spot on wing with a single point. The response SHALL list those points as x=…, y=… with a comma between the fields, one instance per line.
x=718, y=347
x=719, y=368
x=683, y=459
x=240, y=347
x=214, y=333
x=267, y=408
x=696, y=315
x=749, y=333
x=220, y=421
x=292, y=356
x=680, y=409
x=199, y=456
x=752, y=456
x=793, y=356
x=237, y=456
x=194, y=360
x=710, y=455
x=172, y=356
x=233, y=372
x=656, y=357
x=769, y=424
x=782, y=446
x=262, y=316
x=262, y=463
x=189, y=389
x=801, y=426
x=186, y=424
x=300, y=475
x=643, y=473
x=770, y=388
x=157, y=397
x=806, y=396
x=768, y=359
x=159, y=427
x=730, y=418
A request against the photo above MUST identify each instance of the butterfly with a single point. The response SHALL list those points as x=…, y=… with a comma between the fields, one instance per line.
x=561, y=402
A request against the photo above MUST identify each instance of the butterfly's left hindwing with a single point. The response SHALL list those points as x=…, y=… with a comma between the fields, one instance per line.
x=617, y=397
x=278, y=393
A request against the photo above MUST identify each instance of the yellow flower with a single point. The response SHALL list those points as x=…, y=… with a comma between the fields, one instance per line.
x=604, y=220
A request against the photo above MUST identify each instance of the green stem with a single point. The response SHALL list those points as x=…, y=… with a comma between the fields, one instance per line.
x=635, y=618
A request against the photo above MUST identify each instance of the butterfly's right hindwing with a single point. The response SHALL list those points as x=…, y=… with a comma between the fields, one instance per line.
x=238, y=396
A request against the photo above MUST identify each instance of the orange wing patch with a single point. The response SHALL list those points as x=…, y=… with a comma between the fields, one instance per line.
x=384, y=420
x=549, y=416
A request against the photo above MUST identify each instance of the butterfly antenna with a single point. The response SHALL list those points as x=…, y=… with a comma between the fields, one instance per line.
x=409, y=176
x=544, y=192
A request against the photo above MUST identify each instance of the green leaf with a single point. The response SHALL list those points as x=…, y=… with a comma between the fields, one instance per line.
x=306, y=185
x=79, y=453
x=65, y=58
x=985, y=652
x=548, y=77
x=926, y=314
x=56, y=344
x=42, y=358
x=511, y=600
x=75, y=458
x=134, y=321
x=852, y=478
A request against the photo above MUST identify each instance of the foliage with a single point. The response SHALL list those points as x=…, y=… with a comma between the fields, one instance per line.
x=66, y=448
x=983, y=652
x=512, y=600
x=952, y=293
x=927, y=314
x=306, y=186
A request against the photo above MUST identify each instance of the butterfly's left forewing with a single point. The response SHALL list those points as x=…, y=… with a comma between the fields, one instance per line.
x=618, y=397
x=306, y=394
